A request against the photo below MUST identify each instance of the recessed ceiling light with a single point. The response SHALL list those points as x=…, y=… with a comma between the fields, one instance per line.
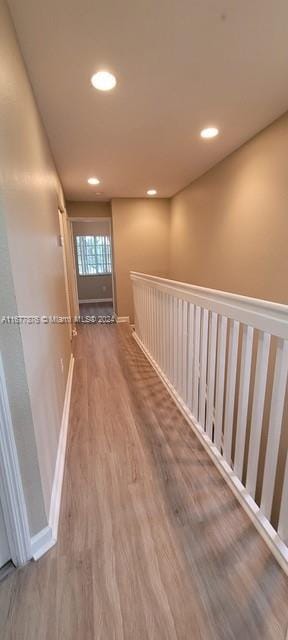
x=151, y=192
x=209, y=132
x=93, y=181
x=103, y=81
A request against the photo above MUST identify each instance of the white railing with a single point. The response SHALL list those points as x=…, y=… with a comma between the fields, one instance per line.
x=224, y=358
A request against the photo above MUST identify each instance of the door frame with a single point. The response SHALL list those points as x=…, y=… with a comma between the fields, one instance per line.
x=94, y=219
x=62, y=223
x=74, y=269
x=11, y=488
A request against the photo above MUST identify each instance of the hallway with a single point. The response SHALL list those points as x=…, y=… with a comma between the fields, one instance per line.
x=152, y=543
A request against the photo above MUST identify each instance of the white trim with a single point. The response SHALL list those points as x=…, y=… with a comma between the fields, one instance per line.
x=11, y=488
x=263, y=526
x=120, y=319
x=86, y=301
x=59, y=467
x=47, y=537
x=42, y=542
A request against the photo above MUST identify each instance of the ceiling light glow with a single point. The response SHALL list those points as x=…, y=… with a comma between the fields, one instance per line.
x=103, y=81
x=93, y=181
x=151, y=192
x=209, y=132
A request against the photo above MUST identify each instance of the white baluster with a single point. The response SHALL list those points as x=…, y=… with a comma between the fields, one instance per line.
x=230, y=394
x=157, y=352
x=165, y=333
x=160, y=328
x=275, y=423
x=149, y=320
x=180, y=347
x=191, y=311
x=211, y=374
x=203, y=367
x=220, y=382
x=145, y=314
x=257, y=411
x=245, y=372
x=175, y=336
x=184, y=350
x=196, y=363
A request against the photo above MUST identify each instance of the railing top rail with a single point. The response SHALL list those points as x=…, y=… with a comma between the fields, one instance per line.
x=262, y=314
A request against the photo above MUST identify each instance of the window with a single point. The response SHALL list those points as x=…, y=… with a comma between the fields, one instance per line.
x=93, y=255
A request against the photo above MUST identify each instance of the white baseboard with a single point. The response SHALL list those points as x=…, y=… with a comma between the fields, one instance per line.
x=42, y=542
x=47, y=537
x=86, y=301
x=59, y=467
x=120, y=319
x=263, y=526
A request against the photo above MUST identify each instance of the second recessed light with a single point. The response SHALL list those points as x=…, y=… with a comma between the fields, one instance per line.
x=103, y=81
x=151, y=192
x=209, y=132
x=93, y=181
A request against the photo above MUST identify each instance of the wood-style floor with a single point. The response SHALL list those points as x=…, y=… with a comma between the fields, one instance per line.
x=152, y=544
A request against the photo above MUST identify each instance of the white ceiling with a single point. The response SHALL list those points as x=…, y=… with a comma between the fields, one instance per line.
x=181, y=65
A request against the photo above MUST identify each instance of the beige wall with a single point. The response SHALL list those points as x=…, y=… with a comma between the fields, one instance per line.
x=89, y=209
x=141, y=242
x=34, y=282
x=229, y=228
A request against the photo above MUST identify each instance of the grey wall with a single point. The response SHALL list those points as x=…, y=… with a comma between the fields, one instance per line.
x=94, y=287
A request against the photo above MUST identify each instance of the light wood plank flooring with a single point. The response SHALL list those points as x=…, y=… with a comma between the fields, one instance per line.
x=152, y=544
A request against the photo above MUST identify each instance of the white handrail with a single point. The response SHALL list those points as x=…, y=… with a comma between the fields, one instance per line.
x=203, y=343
